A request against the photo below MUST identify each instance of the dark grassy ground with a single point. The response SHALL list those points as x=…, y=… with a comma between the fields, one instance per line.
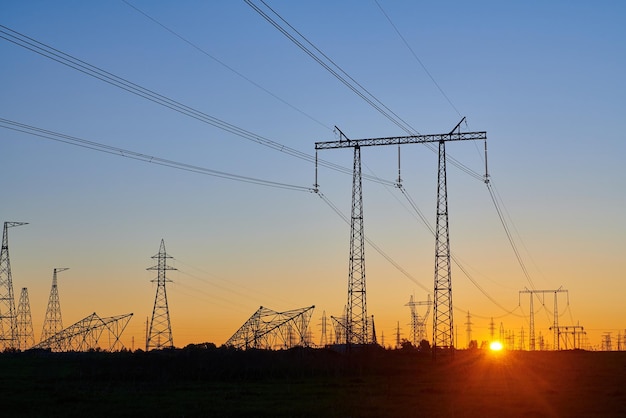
x=313, y=383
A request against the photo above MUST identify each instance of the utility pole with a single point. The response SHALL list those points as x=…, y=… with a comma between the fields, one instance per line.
x=532, y=314
x=8, y=316
x=443, y=326
x=160, y=334
x=25, y=333
x=53, y=322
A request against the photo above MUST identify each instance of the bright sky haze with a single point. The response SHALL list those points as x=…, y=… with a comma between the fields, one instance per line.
x=545, y=80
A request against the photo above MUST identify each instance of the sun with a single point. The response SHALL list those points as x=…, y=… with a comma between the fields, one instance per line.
x=495, y=346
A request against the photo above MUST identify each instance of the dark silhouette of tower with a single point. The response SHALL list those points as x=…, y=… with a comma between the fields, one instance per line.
x=25, y=333
x=160, y=333
x=53, y=322
x=324, y=338
x=443, y=326
x=8, y=315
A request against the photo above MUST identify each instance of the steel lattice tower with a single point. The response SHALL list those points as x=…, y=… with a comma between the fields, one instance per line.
x=53, y=322
x=324, y=338
x=8, y=317
x=25, y=333
x=443, y=325
x=160, y=333
x=357, y=303
x=418, y=325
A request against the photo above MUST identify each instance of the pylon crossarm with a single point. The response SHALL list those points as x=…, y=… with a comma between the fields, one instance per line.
x=400, y=140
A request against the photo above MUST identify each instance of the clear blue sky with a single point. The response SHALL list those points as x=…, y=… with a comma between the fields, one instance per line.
x=544, y=79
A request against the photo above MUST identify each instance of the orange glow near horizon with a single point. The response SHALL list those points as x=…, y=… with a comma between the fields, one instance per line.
x=495, y=346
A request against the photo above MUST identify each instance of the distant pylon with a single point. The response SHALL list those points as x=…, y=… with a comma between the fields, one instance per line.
x=468, y=328
x=324, y=339
x=160, y=334
x=53, y=322
x=418, y=324
x=25, y=333
x=8, y=317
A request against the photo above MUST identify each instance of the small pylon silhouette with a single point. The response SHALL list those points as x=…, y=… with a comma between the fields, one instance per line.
x=53, y=322
x=160, y=334
x=25, y=333
x=8, y=316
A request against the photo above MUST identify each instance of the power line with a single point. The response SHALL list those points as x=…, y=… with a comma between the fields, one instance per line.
x=417, y=58
x=223, y=64
x=121, y=152
x=349, y=81
x=328, y=64
x=54, y=54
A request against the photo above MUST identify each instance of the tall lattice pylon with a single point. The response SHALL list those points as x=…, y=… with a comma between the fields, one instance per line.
x=25, y=333
x=443, y=325
x=8, y=315
x=356, y=324
x=53, y=321
x=160, y=333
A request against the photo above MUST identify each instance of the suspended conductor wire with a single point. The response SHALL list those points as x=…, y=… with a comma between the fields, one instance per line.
x=361, y=91
x=417, y=58
x=510, y=237
x=254, y=292
x=406, y=273
x=370, y=242
x=350, y=82
x=452, y=256
x=223, y=64
x=49, y=52
x=493, y=197
x=120, y=152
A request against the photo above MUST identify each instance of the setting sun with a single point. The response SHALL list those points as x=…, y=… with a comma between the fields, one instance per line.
x=495, y=346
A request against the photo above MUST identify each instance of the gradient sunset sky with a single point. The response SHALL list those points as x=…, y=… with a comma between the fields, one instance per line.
x=545, y=80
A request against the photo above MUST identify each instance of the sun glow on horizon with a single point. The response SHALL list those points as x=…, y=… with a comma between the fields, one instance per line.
x=495, y=346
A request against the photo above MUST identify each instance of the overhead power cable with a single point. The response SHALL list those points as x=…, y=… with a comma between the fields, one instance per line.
x=509, y=236
x=417, y=58
x=223, y=64
x=454, y=258
x=329, y=65
x=54, y=54
x=120, y=152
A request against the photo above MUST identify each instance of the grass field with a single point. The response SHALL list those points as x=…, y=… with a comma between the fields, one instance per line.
x=313, y=383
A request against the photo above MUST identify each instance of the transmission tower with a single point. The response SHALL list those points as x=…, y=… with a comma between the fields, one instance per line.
x=25, y=333
x=53, y=322
x=160, y=334
x=8, y=317
x=443, y=327
x=324, y=339
x=398, y=335
x=418, y=324
x=492, y=329
x=532, y=314
x=374, y=340
x=468, y=328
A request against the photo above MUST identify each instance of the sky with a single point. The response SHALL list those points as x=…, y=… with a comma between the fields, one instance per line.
x=543, y=79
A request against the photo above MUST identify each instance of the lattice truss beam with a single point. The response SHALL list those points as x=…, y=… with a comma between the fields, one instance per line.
x=268, y=329
x=90, y=333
